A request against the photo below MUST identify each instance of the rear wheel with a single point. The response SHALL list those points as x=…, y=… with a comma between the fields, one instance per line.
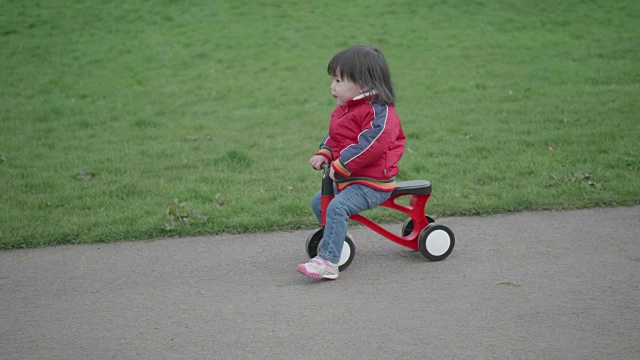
x=407, y=226
x=436, y=242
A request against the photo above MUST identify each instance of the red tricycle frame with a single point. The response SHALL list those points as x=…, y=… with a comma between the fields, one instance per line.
x=419, y=231
x=419, y=190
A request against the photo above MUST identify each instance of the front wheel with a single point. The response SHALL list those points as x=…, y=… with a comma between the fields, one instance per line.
x=436, y=242
x=314, y=242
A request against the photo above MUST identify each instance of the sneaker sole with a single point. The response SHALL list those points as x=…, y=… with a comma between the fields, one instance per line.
x=303, y=270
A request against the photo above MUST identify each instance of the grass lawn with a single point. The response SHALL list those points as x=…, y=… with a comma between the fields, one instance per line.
x=137, y=120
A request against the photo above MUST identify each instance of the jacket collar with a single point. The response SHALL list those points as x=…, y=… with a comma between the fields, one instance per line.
x=363, y=98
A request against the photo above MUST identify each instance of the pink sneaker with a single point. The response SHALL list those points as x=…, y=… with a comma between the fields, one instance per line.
x=319, y=268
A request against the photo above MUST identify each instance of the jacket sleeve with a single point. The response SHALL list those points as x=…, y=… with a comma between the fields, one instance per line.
x=325, y=149
x=375, y=139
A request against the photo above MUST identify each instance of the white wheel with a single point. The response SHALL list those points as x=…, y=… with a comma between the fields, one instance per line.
x=313, y=241
x=407, y=226
x=436, y=242
x=347, y=254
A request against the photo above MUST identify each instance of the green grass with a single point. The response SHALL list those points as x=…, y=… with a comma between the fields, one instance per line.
x=113, y=110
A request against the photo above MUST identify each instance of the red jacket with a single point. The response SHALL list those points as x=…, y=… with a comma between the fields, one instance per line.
x=364, y=145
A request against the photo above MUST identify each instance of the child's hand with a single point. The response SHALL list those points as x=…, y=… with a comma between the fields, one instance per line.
x=317, y=161
x=332, y=174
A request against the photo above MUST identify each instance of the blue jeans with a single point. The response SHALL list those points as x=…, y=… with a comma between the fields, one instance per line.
x=352, y=200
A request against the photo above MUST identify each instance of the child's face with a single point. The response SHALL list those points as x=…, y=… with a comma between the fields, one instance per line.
x=344, y=90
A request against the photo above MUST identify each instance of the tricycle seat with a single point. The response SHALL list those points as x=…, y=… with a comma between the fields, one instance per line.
x=414, y=187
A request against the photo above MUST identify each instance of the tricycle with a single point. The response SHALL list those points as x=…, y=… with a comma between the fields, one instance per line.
x=419, y=231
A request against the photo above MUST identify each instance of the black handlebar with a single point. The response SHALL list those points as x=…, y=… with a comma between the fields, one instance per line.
x=327, y=183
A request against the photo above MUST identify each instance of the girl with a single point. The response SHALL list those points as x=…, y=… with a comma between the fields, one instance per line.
x=363, y=148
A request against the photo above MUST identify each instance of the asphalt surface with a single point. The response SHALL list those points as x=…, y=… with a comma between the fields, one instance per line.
x=552, y=285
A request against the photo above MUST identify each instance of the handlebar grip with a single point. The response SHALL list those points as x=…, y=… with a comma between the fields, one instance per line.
x=327, y=183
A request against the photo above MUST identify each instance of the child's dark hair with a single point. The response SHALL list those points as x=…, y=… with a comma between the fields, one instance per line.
x=364, y=65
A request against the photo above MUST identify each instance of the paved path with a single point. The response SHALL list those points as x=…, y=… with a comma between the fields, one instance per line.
x=556, y=285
